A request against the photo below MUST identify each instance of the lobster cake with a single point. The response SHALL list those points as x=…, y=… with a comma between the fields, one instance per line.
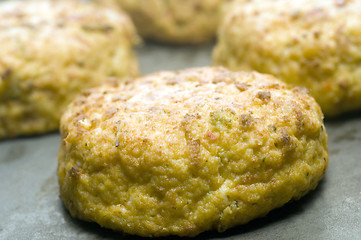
x=179, y=153
x=311, y=43
x=50, y=51
x=173, y=21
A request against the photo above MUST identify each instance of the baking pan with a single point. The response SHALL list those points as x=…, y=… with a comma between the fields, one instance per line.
x=30, y=207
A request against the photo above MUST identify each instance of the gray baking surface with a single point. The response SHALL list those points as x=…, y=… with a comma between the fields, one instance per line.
x=31, y=209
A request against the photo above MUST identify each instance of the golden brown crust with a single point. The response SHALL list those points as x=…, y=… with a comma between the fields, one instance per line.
x=315, y=44
x=50, y=50
x=179, y=153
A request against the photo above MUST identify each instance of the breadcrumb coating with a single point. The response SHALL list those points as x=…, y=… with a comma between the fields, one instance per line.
x=315, y=44
x=50, y=51
x=179, y=153
x=174, y=21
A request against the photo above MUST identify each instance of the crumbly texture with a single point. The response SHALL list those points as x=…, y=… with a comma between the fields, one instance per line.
x=50, y=51
x=174, y=21
x=315, y=44
x=179, y=153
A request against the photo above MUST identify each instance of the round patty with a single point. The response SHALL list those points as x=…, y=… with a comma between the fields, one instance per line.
x=50, y=51
x=174, y=21
x=315, y=44
x=179, y=153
